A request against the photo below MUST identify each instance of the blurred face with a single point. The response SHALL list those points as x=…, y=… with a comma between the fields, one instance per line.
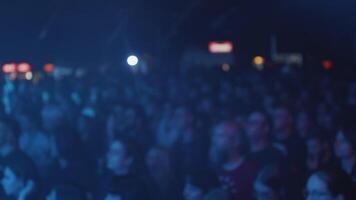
x=113, y=197
x=343, y=147
x=317, y=189
x=11, y=183
x=117, y=159
x=314, y=147
x=224, y=141
x=262, y=192
x=52, y=117
x=303, y=122
x=192, y=192
x=224, y=137
x=156, y=160
x=256, y=127
x=281, y=119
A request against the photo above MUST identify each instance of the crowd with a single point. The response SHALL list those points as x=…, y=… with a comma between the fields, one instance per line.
x=194, y=135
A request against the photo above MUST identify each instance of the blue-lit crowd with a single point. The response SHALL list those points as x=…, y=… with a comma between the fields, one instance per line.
x=200, y=134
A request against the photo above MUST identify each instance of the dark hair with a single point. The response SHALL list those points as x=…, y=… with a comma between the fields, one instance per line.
x=68, y=144
x=237, y=134
x=22, y=166
x=130, y=145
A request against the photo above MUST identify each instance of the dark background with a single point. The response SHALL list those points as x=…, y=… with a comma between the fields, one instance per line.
x=91, y=33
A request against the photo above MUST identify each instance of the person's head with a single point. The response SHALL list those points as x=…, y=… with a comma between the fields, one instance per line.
x=269, y=184
x=53, y=117
x=345, y=144
x=19, y=173
x=282, y=119
x=303, y=124
x=158, y=160
x=27, y=122
x=122, y=119
x=120, y=155
x=9, y=132
x=257, y=127
x=315, y=145
x=65, y=192
x=325, y=117
x=226, y=141
x=328, y=185
x=68, y=145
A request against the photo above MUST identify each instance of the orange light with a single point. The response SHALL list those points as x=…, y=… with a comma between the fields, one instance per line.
x=258, y=60
x=226, y=67
x=9, y=68
x=328, y=65
x=48, y=68
x=221, y=47
x=23, y=67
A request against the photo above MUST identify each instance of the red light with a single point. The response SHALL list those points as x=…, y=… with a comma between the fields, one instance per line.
x=23, y=67
x=48, y=68
x=9, y=68
x=328, y=64
x=221, y=47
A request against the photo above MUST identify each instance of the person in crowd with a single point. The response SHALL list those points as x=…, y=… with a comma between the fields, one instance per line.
x=228, y=157
x=123, y=177
x=164, y=185
x=35, y=143
x=20, y=180
x=90, y=129
x=74, y=166
x=294, y=148
x=53, y=118
x=318, y=155
x=329, y=185
x=304, y=124
x=345, y=144
x=269, y=184
x=9, y=132
x=198, y=184
x=261, y=148
x=284, y=134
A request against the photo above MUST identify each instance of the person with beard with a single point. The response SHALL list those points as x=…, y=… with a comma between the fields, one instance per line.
x=228, y=156
x=262, y=150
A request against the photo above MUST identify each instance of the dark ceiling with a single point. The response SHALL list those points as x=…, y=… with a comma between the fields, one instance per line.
x=77, y=32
